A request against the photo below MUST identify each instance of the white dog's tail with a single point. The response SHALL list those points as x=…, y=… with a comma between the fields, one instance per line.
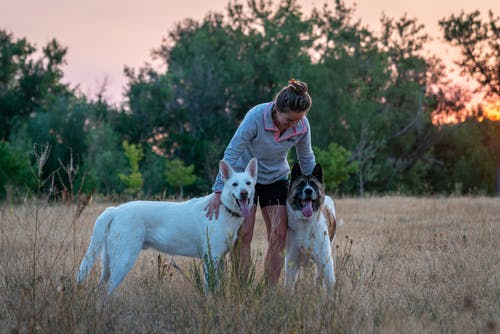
x=96, y=243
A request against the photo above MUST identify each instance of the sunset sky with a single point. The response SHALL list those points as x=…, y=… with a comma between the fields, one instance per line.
x=104, y=36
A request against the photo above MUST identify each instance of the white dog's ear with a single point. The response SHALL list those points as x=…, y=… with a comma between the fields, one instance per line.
x=225, y=170
x=252, y=168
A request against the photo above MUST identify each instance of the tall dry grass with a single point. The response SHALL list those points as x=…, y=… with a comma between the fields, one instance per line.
x=403, y=265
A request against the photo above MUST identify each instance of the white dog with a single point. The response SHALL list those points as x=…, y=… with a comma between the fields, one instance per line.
x=177, y=228
x=311, y=226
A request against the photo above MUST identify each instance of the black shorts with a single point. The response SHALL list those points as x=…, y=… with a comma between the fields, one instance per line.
x=271, y=194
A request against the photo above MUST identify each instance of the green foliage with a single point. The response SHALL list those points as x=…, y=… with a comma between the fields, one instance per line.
x=15, y=169
x=104, y=160
x=374, y=94
x=26, y=82
x=179, y=175
x=479, y=45
x=133, y=181
x=216, y=70
x=468, y=159
x=336, y=165
x=375, y=97
x=60, y=123
x=153, y=173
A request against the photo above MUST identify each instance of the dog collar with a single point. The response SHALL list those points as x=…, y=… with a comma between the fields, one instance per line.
x=234, y=214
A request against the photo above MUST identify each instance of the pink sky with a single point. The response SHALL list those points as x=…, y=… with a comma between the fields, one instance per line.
x=103, y=36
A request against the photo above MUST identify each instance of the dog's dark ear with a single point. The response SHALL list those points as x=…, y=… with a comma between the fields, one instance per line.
x=318, y=172
x=296, y=172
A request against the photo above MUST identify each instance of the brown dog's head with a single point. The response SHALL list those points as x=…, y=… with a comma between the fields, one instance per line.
x=307, y=192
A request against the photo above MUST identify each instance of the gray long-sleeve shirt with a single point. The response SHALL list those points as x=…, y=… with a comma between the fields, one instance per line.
x=257, y=136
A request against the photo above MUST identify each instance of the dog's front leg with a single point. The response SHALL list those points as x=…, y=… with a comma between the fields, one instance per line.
x=325, y=266
x=291, y=273
x=329, y=275
x=211, y=272
x=292, y=266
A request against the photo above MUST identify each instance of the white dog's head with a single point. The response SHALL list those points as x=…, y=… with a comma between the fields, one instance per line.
x=239, y=188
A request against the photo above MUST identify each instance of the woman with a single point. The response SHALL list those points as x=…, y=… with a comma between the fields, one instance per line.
x=267, y=132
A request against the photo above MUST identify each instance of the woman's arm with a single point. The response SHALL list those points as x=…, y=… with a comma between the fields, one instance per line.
x=243, y=135
x=304, y=151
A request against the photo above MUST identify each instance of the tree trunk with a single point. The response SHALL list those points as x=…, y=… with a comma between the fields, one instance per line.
x=361, y=183
x=498, y=179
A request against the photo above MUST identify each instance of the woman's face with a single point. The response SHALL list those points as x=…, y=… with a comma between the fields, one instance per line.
x=289, y=119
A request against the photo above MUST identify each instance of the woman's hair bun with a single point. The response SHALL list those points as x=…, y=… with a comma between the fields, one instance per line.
x=294, y=96
x=298, y=86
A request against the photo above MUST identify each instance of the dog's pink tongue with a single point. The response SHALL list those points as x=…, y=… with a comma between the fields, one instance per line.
x=307, y=210
x=245, y=210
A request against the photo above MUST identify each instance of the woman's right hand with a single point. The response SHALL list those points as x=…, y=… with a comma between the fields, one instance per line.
x=213, y=206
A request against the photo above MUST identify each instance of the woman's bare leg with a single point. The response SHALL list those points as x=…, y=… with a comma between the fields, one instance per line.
x=276, y=219
x=242, y=252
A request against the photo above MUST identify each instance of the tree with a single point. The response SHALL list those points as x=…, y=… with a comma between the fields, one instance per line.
x=63, y=123
x=179, y=175
x=216, y=70
x=479, y=45
x=133, y=181
x=153, y=173
x=372, y=96
x=492, y=141
x=14, y=169
x=408, y=132
x=347, y=83
x=467, y=163
x=336, y=165
x=104, y=160
x=26, y=82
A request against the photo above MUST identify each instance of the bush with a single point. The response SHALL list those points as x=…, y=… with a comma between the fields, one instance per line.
x=335, y=164
x=14, y=169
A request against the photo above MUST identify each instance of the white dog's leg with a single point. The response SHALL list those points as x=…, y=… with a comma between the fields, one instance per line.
x=325, y=265
x=104, y=266
x=211, y=272
x=329, y=275
x=124, y=243
x=292, y=266
x=292, y=271
x=96, y=244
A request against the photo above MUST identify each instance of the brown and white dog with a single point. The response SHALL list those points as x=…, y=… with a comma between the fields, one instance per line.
x=311, y=226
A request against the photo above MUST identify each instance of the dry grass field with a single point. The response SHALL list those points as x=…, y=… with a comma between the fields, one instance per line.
x=403, y=265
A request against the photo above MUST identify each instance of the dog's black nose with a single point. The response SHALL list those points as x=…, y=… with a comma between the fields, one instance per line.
x=243, y=194
x=308, y=191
